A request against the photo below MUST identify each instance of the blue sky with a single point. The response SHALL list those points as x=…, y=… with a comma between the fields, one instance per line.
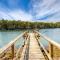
x=30, y=10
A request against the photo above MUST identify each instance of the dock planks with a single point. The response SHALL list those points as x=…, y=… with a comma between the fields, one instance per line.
x=34, y=49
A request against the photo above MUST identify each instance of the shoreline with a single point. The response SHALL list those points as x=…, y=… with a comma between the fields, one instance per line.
x=25, y=29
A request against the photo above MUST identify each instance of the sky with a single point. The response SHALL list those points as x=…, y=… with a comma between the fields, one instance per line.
x=30, y=10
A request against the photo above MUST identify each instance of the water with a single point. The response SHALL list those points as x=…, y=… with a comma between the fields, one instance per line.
x=53, y=34
x=7, y=36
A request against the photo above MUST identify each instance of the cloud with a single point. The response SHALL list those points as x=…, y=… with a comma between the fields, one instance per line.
x=4, y=15
x=19, y=14
x=16, y=15
x=46, y=9
x=42, y=10
x=13, y=10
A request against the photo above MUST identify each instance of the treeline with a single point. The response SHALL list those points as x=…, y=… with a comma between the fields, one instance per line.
x=13, y=25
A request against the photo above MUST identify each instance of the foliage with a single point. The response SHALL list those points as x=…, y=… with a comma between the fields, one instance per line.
x=13, y=25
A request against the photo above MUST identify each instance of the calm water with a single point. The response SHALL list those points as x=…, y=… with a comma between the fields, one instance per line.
x=7, y=36
x=53, y=34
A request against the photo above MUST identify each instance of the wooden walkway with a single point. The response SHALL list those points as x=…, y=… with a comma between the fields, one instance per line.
x=34, y=49
x=31, y=49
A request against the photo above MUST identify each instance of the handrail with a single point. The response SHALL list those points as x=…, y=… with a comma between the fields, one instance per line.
x=10, y=44
x=46, y=52
x=49, y=40
x=25, y=50
x=24, y=47
x=52, y=44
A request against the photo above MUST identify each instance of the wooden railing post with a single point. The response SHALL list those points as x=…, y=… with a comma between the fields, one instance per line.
x=12, y=49
x=51, y=50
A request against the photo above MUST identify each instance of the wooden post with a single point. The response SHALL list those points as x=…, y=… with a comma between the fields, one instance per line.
x=12, y=49
x=51, y=50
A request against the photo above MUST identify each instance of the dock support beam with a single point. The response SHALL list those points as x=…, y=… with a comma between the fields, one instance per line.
x=51, y=50
x=12, y=49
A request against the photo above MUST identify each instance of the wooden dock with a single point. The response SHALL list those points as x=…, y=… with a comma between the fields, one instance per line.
x=31, y=49
x=34, y=49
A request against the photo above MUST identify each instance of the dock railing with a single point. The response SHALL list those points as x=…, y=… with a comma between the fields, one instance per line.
x=53, y=52
x=10, y=47
x=25, y=52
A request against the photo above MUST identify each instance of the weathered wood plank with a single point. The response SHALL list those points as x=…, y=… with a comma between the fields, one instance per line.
x=34, y=49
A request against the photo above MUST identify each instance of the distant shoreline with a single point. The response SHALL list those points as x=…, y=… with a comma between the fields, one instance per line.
x=25, y=29
x=21, y=25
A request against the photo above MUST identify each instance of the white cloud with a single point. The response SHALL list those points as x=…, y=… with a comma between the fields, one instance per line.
x=46, y=8
x=16, y=14
x=4, y=15
x=19, y=14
